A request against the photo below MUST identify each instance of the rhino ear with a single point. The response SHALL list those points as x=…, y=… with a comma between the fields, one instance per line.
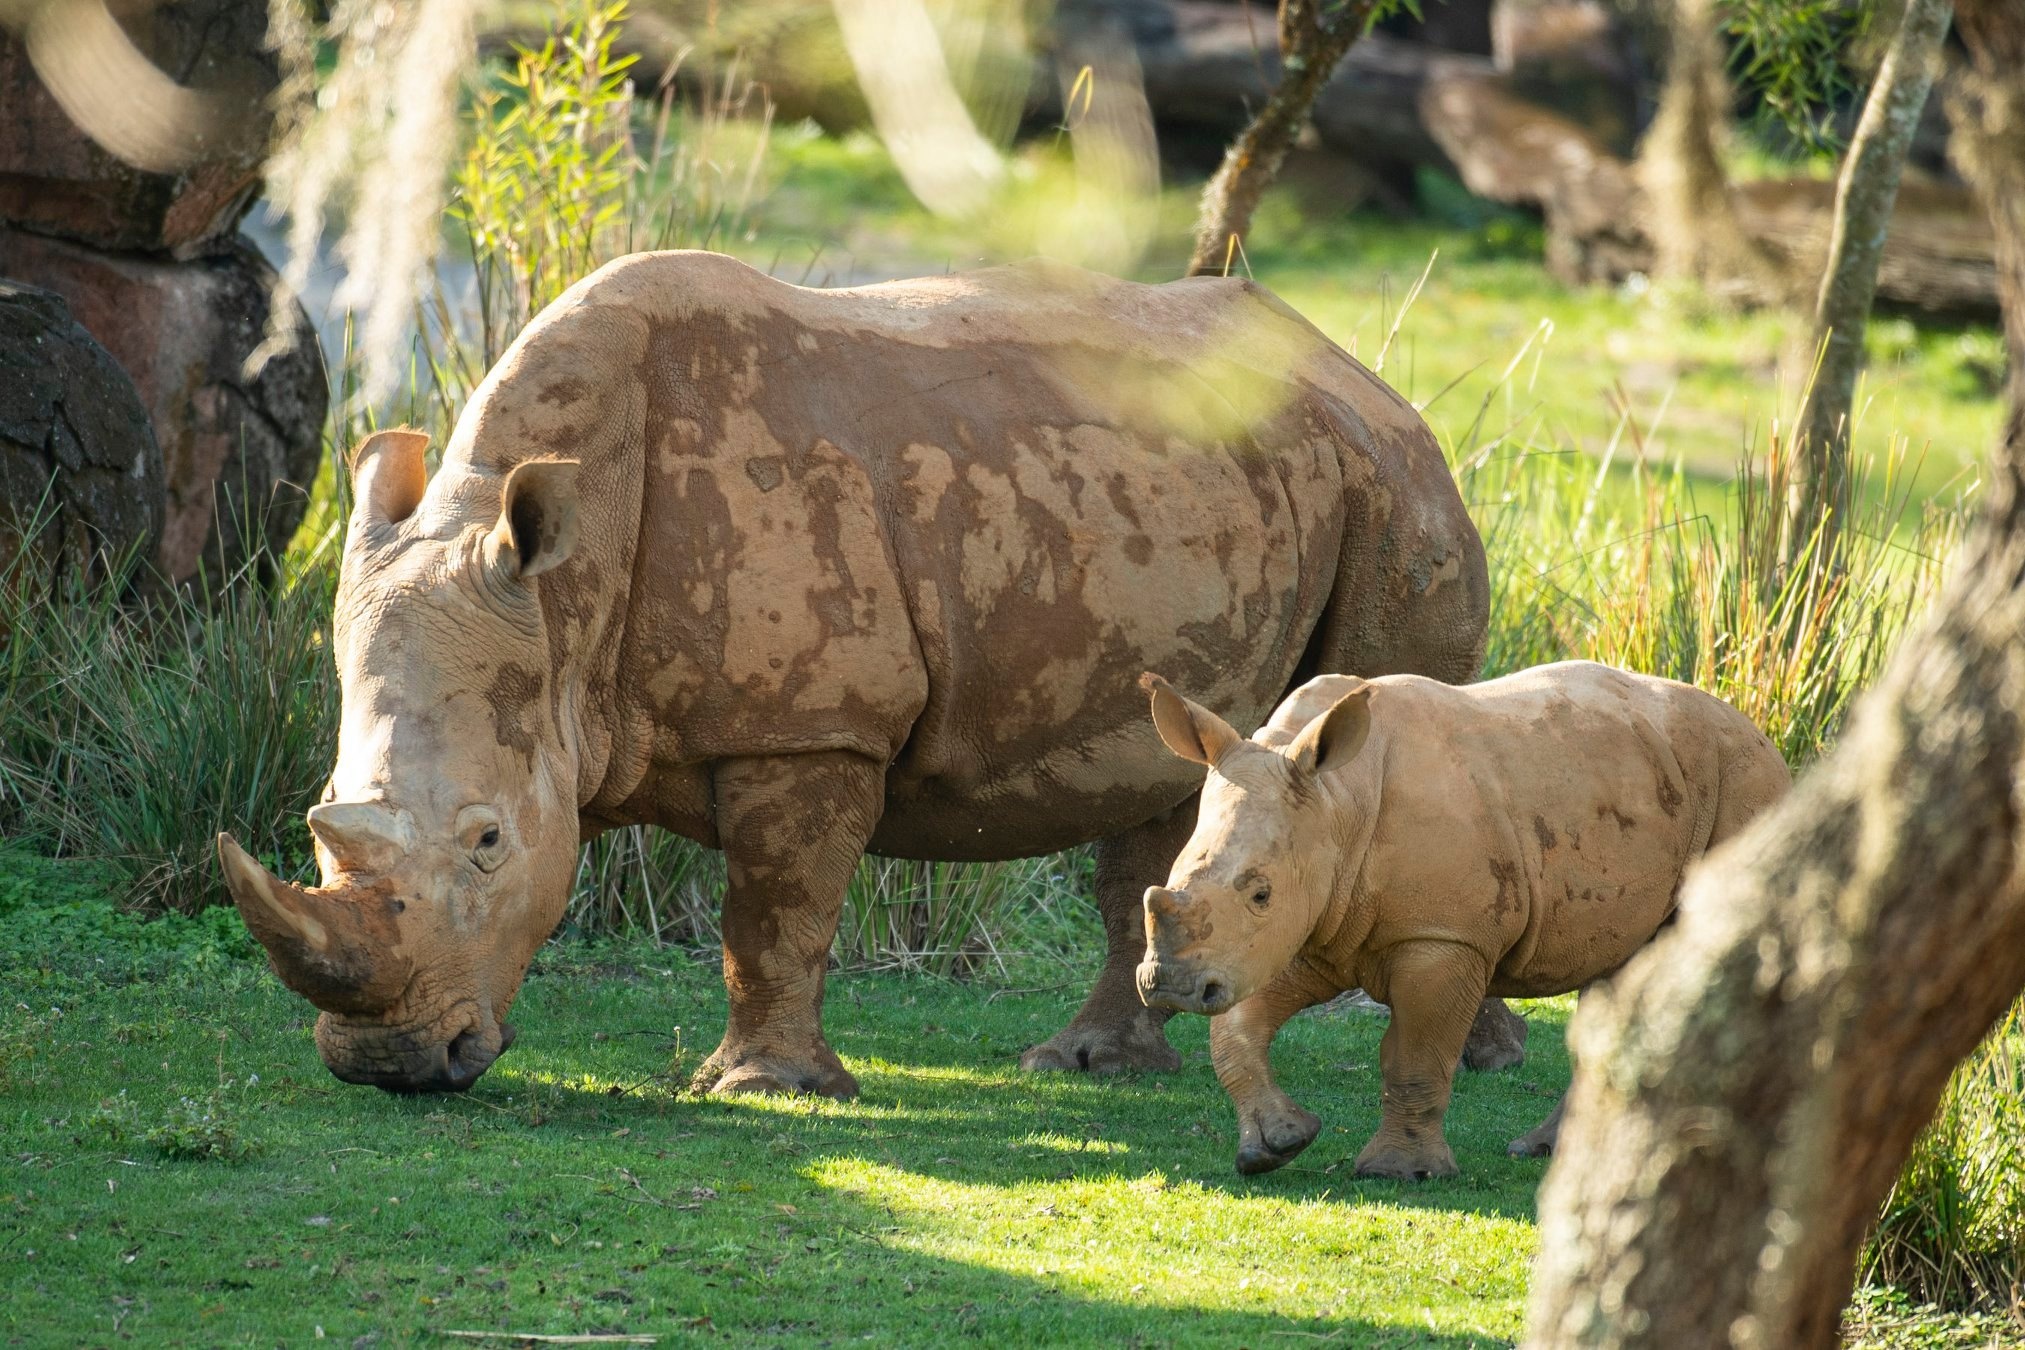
x=1189, y=729
x=537, y=517
x=1333, y=739
x=388, y=477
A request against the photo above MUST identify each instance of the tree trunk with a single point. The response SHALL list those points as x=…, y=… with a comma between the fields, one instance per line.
x=1693, y=222
x=1818, y=496
x=1313, y=35
x=1750, y=1086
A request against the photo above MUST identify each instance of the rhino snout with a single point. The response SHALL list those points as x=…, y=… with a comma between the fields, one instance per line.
x=1180, y=988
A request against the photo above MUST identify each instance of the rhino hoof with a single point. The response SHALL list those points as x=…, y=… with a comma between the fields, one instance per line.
x=1406, y=1164
x=817, y=1075
x=1267, y=1143
x=1137, y=1044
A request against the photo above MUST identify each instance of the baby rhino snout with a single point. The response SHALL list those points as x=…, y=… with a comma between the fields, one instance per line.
x=1168, y=978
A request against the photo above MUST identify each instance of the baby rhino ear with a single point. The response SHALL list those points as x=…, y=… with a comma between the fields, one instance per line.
x=1333, y=739
x=537, y=517
x=1189, y=729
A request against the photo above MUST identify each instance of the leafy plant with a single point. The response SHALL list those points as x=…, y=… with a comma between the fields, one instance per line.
x=1952, y=1232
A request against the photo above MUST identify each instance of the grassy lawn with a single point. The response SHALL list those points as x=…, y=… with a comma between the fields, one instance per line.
x=577, y=1189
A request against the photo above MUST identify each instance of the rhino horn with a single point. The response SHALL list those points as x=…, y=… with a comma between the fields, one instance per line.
x=337, y=947
x=362, y=836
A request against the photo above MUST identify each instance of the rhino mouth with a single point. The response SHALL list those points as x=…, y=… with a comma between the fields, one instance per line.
x=393, y=1062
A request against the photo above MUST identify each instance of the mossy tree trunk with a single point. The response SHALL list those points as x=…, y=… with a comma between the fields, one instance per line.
x=1693, y=224
x=1818, y=494
x=1749, y=1088
x=1313, y=35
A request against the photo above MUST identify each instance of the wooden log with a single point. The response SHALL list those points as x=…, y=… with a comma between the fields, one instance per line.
x=1938, y=258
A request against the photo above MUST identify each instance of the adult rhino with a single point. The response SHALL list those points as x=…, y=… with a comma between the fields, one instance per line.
x=800, y=574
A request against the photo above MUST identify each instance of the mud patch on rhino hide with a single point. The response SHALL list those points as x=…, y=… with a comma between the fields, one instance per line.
x=1510, y=898
x=512, y=692
x=1544, y=833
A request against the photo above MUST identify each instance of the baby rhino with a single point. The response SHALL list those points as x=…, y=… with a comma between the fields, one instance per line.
x=1431, y=844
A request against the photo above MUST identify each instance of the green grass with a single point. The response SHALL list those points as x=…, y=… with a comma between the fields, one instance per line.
x=577, y=1189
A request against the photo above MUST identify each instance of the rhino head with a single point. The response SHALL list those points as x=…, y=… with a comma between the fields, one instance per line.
x=1259, y=872
x=447, y=837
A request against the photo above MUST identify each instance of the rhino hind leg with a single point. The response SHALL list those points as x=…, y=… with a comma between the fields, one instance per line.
x=1539, y=1142
x=1115, y=1030
x=1497, y=1038
x=793, y=828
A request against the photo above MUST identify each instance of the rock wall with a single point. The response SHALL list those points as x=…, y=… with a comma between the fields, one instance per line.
x=152, y=265
x=80, y=475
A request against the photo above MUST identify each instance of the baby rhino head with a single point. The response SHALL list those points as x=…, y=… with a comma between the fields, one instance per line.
x=1258, y=873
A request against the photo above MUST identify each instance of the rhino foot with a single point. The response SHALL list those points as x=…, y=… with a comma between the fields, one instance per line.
x=817, y=1073
x=1541, y=1140
x=1406, y=1161
x=1497, y=1039
x=1135, y=1042
x=1271, y=1138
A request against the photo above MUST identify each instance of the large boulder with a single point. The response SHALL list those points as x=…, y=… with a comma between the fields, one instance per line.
x=238, y=454
x=80, y=474
x=55, y=179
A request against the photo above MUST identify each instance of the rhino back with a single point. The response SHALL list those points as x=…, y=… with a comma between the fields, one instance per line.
x=947, y=522
x=1570, y=799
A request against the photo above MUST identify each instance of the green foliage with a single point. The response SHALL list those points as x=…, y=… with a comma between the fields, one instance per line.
x=1953, y=1229
x=556, y=182
x=1791, y=53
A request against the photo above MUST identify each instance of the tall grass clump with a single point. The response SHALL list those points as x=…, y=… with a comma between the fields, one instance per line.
x=1648, y=568
x=1952, y=1231
x=132, y=734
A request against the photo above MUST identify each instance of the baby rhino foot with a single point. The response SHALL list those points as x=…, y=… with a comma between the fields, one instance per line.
x=1133, y=1042
x=815, y=1071
x=1405, y=1160
x=1271, y=1137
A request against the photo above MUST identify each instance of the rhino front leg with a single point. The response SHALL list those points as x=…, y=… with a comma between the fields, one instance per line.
x=1115, y=1029
x=793, y=828
x=1272, y=1127
x=1434, y=988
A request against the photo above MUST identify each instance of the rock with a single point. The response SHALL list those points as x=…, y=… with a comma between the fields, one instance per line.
x=55, y=179
x=80, y=474
x=238, y=456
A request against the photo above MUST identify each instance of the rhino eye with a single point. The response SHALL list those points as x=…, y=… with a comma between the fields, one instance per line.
x=490, y=838
x=1262, y=895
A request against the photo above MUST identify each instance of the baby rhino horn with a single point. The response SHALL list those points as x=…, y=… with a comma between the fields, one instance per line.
x=338, y=948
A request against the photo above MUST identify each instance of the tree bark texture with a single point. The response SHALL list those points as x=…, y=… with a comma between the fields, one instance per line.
x=1865, y=193
x=1749, y=1087
x=1692, y=222
x=1313, y=36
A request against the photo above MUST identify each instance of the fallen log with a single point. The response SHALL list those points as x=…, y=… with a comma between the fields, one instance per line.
x=1939, y=258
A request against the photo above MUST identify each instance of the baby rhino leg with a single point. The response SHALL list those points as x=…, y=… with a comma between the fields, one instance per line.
x=1272, y=1127
x=1433, y=988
